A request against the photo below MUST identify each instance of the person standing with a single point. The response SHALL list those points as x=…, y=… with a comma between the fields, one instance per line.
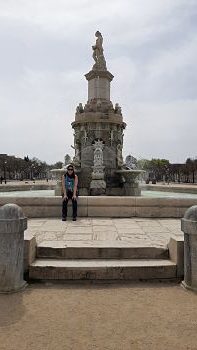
x=69, y=191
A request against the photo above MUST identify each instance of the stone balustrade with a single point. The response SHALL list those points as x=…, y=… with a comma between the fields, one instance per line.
x=189, y=227
x=12, y=226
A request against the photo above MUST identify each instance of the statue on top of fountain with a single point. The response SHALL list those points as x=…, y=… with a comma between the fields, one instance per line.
x=98, y=56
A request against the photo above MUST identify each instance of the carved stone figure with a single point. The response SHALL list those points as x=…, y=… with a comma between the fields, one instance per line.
x=119, y=156
x=117, y=109
x=98, y=56
x=76, y=158
x=79, y=108
x=131, y=162
x=89, y=106
x=99, y=106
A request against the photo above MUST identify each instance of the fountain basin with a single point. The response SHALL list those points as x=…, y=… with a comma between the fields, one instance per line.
x=129, y=180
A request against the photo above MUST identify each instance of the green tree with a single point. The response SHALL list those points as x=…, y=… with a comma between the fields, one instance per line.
x=191, y=169
x=58, y=165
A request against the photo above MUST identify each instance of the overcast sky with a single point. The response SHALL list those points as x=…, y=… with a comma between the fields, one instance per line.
x=150, y=47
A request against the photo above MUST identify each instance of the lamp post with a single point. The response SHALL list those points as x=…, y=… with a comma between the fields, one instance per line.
x=32, y=171
x=5, y=162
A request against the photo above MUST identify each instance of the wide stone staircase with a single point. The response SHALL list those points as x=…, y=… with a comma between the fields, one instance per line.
x=102, y=260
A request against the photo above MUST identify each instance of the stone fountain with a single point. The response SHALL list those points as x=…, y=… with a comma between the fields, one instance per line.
x=98, y=136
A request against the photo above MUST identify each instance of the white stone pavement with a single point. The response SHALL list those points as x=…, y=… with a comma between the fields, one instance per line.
x=134, y=231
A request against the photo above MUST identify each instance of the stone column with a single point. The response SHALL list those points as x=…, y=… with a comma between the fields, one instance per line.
x=99, y=84
x=12, y=226
x=189, y=227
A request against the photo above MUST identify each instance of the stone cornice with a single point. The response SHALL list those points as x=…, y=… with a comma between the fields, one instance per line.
x=99, y=73
x=96, y=119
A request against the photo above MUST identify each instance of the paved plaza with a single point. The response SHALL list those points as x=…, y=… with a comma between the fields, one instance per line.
x=99, y=231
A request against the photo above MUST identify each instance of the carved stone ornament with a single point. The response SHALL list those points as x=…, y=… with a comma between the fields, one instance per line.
x=98, y=153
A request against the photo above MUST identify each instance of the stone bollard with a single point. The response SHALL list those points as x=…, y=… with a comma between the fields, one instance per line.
x=12, y=226
x=189, y=227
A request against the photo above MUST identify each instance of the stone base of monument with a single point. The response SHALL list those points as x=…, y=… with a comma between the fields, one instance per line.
x=97, y=187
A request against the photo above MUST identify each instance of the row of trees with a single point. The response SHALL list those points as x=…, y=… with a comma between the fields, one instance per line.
x=16, y=168
x=163, y=170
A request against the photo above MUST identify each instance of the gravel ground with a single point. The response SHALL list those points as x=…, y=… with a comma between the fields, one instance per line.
x=151, y=316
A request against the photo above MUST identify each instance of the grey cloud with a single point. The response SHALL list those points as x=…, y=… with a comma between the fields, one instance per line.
x=150, y=47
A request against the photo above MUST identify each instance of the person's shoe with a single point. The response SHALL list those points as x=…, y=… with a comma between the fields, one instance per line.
x=63, y=218
x=74, y=219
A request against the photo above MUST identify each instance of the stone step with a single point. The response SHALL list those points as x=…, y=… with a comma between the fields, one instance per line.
x=101, y=269
x=98, y=250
